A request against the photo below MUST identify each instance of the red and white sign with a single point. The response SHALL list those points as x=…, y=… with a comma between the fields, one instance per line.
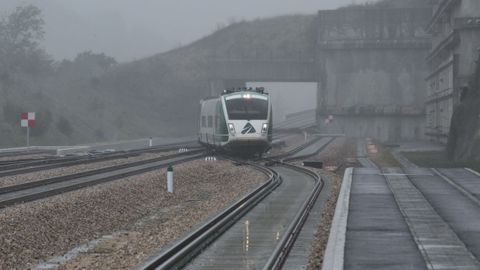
x=28, y=120
x=329, y=120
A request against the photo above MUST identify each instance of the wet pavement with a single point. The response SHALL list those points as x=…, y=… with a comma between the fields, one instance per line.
x=412, y=218
x=252, y=240
x=376, y=231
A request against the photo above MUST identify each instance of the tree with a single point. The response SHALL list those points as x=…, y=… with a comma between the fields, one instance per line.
x=24, y=28
x=20, y=36
x=64, y=126
x=86, y=65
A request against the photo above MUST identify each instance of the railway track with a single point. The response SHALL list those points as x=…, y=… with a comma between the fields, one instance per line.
x=362, y=155
x=313, y=149
x=16, y=168
x=306, y=150
x=184, y=250
x=52, y=186
x=258, y=231
x=24, y=153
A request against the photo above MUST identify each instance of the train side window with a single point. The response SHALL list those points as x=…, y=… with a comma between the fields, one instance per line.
x=204, y=121
x=210, y=121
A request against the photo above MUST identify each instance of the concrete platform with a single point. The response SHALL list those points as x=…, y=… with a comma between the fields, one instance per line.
x=406, y=219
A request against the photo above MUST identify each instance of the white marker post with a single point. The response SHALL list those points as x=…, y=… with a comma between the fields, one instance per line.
x=150, y=142
x=170, y=179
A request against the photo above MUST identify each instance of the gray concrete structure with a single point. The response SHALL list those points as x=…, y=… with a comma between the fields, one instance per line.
x=228, y=73
x=440, y=246
x=369, y=65
x=414, y=218
x=372, y=70
x=376, y=230
x=455, y=27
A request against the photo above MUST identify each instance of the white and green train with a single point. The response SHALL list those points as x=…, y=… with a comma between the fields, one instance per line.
x=238, y=121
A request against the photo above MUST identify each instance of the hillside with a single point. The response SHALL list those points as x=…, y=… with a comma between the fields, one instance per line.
x=156, y=96
x=395, y=4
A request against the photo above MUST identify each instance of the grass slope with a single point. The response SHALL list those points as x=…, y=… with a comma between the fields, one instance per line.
x=155, y=96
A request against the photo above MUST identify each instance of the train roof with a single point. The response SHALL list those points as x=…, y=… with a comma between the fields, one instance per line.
x=259, y=90
x=232, y=91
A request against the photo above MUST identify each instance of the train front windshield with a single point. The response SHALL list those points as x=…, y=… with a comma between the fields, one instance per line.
x=247, y=108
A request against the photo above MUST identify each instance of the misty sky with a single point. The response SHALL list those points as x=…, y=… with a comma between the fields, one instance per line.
x=132, y=29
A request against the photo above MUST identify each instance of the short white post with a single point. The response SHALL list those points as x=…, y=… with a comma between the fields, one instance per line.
x=150, y=142
x=28, y=136
x=170, y=179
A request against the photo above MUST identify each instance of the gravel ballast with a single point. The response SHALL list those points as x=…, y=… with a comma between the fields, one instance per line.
x=336, y=157
x=35, y=176
x=323, y=231
x=136, y=212
x=24, y=157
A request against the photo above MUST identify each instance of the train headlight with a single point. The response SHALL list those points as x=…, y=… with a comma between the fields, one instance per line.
x=231, y=128
x=264, y=128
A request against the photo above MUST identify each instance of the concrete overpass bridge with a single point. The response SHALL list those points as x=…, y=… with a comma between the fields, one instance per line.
x=370, y=69
x=228, y=73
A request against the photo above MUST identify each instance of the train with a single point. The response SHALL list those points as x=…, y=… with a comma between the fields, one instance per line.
x=239, y=121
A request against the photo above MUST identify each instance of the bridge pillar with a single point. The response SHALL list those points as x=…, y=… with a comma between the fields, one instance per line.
x=372, y=70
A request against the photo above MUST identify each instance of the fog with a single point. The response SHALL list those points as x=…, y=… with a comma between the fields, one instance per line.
x=304, y=99
x=60, y=59
x=128, y=30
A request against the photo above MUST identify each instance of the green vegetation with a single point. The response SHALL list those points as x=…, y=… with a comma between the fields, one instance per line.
x=438, y=159
x=93, y=98
x=384, y=158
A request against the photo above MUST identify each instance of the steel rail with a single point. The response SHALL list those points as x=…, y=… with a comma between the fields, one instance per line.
x=320, y=149
x=51, y=163
x=295, y=150
x=286, y=243
x=4, y=163
x=23, y=153
x=9, y=189
x=79, y=161
x=189, y=247
x=413, y=201
x=25, y=196
x=457, y=186
x=184, y=250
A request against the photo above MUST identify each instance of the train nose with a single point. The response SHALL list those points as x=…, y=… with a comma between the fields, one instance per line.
x=248, y=129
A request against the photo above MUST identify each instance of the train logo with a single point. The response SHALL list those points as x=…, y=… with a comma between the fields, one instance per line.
x=248, y=129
